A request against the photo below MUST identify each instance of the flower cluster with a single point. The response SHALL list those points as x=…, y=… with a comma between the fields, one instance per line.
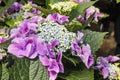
x=50, y=31
x=34, y=35
x=108, y=69
x=91, y=11
x=64, y=7
x=61, y=19
x=83, y=52
x=25, y=43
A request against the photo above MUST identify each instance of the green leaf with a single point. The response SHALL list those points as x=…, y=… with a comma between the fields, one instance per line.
x=80, y=9
x=94, y=39
x=24, y=69
x=37, y=71
x=45, y=11
x=4, y=74
x=8, y=4
x=85, y=74
x=117, y=1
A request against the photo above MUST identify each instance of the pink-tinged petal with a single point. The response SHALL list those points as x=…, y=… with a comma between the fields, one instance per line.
x=57, y=18
x=79, y=37
x=19, y=41
x=90, y=61
x=113, y=58
x=59, y=60
x=32, y=26
x=105, y=72
x=42, y=48
x=44, y=60
x=53, y=66
x=77, y=48
x=36, y=19
x=1, y=56
x=30, y=53
x=86, y=56
x=53, y=75
x=15, y=51
x=86, y=50
x=55, y=43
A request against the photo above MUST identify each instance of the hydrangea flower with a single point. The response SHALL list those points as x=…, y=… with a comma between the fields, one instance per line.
x=24, y=47
x=104, y=64
x=50, y=31
x=57, y=18
x=83, y=52
x=93, y=10
x=16, y=6
x=81, y=0
x=25, y=27
x=54, y=65
x=64, y=7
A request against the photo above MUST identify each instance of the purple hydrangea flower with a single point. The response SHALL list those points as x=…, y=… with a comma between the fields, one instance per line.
x=81, y=0
x=86, y=56
x=112, y=58
x=58, y=18
x=83, y=52
x=103, y=64
x=16, y=6
x=24, y=28
x=36, y=19
x=93, y=10
x=54, y=66
x=103, y=67
x=24, y=47
x=52, y=61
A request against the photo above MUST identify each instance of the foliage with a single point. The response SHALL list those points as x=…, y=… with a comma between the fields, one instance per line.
x=93, y=38
x=24, y=69
x=36, y=35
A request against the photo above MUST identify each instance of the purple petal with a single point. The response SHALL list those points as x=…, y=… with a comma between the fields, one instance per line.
x=105, y=73
x=45, y=61
x=42, y=48
x=79, y=37
x=1, y=56
x=86, y=50
x=53, y=75
x=76, y=47
x=55, y=43
x=13, y=49
x=53, y=66
x=59, y=60
x=30, y=53
x=113, y=58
